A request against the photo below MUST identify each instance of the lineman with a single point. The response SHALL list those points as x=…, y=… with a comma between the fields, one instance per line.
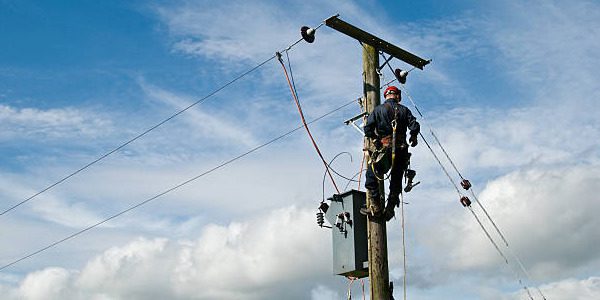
x=388, y=150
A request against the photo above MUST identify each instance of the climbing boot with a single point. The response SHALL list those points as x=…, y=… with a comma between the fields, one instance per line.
x=375, y=209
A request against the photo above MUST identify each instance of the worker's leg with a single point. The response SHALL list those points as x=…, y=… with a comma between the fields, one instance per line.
x=400, y=165
x=372, y=186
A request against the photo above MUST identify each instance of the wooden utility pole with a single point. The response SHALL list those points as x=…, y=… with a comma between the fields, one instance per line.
x=376, y=228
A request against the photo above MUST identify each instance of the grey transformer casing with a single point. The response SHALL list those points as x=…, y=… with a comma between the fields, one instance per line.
x=349, y=234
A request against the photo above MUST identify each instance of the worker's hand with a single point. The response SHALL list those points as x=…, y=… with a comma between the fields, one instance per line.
x=413, y=140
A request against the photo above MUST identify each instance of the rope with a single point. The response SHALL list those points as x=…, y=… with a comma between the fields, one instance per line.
x=172, y=188
x=403, y=244
x=292, y=90
x=362, y=285
x=349, y=293
x=362, y=165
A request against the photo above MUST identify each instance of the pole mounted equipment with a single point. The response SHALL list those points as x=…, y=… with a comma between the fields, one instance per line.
x=308, y=34
x=401, y=75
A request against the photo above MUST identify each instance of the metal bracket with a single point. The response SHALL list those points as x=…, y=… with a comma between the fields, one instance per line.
x=352, y=121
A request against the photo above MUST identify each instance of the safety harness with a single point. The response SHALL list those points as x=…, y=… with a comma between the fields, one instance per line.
x=379, y=154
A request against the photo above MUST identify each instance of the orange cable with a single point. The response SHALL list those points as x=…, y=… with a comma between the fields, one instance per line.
x=304, y=122
x=362, y=164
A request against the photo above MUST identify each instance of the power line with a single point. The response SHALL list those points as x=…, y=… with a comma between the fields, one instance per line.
x=498, y=231
x=144, y=132
x=174, y=187
x=472, y=193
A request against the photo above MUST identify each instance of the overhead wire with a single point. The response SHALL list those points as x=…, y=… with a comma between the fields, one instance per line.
x=73, y=235
x=471, y=191
x=143, y=133
x=455, y=168
x=486, y=232
x=335, y=172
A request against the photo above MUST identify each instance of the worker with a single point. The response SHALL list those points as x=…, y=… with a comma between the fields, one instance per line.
x=379, y=130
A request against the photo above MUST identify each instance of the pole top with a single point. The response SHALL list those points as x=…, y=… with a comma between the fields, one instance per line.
x=336, y=23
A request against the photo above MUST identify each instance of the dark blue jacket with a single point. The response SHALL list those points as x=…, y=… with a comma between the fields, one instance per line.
x=379, y=122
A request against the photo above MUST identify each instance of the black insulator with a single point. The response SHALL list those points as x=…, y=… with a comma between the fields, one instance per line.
x=324, y=207
x=308, y=34
x=465, y=184
x=320, y=219
x=464, y=200
x=401, y=75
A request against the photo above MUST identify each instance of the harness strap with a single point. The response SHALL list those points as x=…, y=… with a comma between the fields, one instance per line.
x=394, y=125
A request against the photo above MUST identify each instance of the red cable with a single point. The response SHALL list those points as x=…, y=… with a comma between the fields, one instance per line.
x=304, y=122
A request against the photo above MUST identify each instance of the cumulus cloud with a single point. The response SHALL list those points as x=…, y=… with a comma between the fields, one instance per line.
x=538, y=163
x=571, y=288
x=548, y=216
x=278, y=254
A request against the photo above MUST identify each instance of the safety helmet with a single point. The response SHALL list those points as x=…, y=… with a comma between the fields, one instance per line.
x=391, y=90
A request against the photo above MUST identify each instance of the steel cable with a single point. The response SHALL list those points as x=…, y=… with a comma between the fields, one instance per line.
x=103, y=156
x=173, y=188
x=471, y=191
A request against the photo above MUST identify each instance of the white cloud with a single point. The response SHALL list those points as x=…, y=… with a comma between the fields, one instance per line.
x=50, y=207
x=324, y=293
x=209, y=33
x=548, y=216
x=571, y=288
x=56, y=123
x=535, y=157
x=216, y=127
x=270, y=256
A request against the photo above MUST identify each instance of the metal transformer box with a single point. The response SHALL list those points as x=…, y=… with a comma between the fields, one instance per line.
x=349, y=234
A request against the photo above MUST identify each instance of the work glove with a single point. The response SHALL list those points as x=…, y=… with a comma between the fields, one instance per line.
x=413, y=140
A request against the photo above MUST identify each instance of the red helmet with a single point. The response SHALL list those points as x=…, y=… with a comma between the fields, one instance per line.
x=391, y=90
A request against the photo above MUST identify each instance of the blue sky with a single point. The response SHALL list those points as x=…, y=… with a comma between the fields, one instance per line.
x=512, y=92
